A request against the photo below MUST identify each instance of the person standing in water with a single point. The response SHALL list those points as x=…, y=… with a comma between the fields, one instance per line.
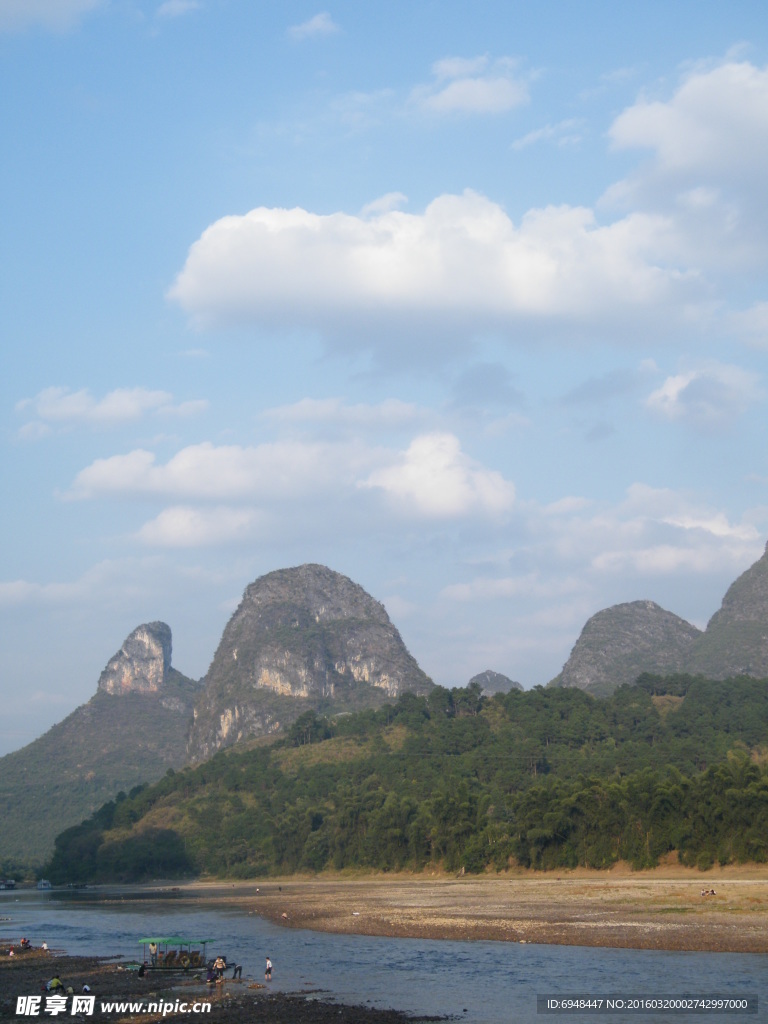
x=268, y=970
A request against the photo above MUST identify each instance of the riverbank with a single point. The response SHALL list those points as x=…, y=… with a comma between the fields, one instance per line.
x=26, y=973
x=662, y=909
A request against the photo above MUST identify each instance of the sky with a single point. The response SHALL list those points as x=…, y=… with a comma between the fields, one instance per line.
x=465, y=300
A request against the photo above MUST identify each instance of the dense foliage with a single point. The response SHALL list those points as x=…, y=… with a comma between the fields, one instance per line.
x=545, y=778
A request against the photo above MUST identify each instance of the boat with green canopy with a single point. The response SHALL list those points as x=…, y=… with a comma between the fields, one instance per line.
x=173, y=953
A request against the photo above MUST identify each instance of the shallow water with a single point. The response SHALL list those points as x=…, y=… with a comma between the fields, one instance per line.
x=477, y=982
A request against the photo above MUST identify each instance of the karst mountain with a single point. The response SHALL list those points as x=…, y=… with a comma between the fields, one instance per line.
x=301, y=639
x=619, y=643
x=310, y=639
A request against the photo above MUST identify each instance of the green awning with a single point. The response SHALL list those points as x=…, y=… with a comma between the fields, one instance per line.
x=176, y=940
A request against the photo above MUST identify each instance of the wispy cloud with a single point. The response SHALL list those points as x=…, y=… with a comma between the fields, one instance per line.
x=477, y=85
x=63, y=406
x=55, y=15
x=564, y=133
x=710, y=396
x=182, y=526
x=177, y=8
x=334, y=411
x=320, y=25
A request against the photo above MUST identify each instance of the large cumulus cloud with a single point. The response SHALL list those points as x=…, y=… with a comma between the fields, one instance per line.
x=463, y=263
x=658, y=251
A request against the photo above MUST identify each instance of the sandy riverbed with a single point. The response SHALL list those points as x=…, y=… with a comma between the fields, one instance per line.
x=662, y=909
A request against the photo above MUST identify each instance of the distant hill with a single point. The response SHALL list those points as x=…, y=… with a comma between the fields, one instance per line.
x=621, y=642
x=301, y=639
x=494, y=682
x=131, y=731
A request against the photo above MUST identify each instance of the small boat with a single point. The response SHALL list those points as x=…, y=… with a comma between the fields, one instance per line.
x=44, y=884
x=174, y=953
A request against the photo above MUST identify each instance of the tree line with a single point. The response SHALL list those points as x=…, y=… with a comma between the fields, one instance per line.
x=547, y=778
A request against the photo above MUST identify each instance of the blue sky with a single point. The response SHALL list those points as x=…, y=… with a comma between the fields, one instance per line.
x=464, y=300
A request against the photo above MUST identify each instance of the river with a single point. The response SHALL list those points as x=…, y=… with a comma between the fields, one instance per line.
x=477, y=982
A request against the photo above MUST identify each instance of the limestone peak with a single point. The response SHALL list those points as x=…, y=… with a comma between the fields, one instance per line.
x=142, y=663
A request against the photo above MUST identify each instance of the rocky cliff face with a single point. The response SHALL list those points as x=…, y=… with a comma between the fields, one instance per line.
x=301, y=638
x=142, y=663
x=619, y=643
x=494, y=682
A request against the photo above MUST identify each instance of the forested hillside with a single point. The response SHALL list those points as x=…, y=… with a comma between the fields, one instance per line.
x=544, y=778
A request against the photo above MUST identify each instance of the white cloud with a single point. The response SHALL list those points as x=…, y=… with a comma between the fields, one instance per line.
x=472, y=86
x=462, y=265
x=437, y=480
x=320, y=25
x=695, y=213
x=60, y=405
x=49, y=14
x=707, y=397
x=185, y=527
x=433, y=478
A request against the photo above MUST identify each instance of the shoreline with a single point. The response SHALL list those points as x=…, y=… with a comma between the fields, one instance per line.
x=231, y=1002
x=643, y=910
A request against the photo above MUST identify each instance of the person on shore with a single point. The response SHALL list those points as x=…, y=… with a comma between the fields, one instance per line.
x=153, y=953
x=55, y=985
x=237, y=971
x=268, y=970
x=220, y=965
x=44, y=947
